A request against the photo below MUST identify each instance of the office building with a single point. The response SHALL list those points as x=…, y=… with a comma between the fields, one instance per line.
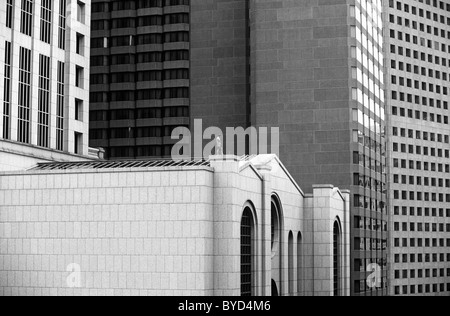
x=223, y=226
x=418, y=59
x=317, y=73
x=314, y=69
x=139, y=77
x=156, y=65
x=44, y=51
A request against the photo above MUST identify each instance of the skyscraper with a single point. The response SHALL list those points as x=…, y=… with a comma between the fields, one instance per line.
x=140, y=76
x=314, y=69
x=418, y=34
x=317, y=73
x=156, y=65
x=44, y=49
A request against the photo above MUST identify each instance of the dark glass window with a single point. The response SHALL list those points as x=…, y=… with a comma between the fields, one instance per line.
x=246, y=252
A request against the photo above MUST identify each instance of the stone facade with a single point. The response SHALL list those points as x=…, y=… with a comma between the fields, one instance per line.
x=62, y=123
x=69, y=230
x=220, y=63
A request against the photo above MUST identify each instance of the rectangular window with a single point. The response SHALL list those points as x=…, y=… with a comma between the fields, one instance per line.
x=80, y=44
x=79, y=77
x=62, y=24
x=46, y=21
x=9, y=13
x=26, y=18
x=78, y=143
x=43, y=101
x=23, y=128
x=7, y=93
x=81, y=12
x=60, y=108
x=78, y=110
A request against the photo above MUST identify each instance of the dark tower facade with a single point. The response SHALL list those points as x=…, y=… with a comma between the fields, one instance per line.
x=140, y=75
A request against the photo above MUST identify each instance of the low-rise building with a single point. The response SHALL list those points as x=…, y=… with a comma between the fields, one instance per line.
x=223, y=226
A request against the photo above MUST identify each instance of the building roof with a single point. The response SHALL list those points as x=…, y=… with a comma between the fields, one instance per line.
x=119, y=164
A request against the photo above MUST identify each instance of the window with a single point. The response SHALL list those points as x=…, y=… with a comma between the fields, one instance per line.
x=78, y=143
x=80, y=44
x=43, y=101
x=99, y=42
x=300, y=264
x=46, y=21
x=81, y=12
x=26, y=18
x=275, y=225
x=79, y=77
x=291, y=263
x=7, y=93
x=78, y=110
x=336, y=258
x=9, y=14
x=247, y=237
x=62, y=24
x=60, y=108
x=23, y=127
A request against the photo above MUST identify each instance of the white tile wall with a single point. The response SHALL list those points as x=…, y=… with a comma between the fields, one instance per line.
x=157, y=232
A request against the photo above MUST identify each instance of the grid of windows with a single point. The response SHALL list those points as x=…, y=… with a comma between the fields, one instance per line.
x=60, y=107
x=43, y=101
x=9, y=13
x=23, y=128
x=46, y=20
x=35, y=108
x=62, y=24
x=369, y=146
x=152, y=75
x=7, y=92
x=26, y=19
x=419, y=56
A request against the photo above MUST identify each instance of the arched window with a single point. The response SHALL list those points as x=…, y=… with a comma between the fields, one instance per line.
x=275, y=225
x=278, y=255
x=300, y=264
x=336, y=258
x=274, y=288
x=291, y=263
x=247, y=238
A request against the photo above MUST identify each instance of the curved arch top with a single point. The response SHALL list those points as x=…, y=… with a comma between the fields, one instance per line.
x=249, y=204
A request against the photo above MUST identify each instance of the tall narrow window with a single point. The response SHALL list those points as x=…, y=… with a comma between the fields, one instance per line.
x=80, y=44
x=336, y=258
x=62, y=24
x=60, y=108
x=7, y=93
x=291, y=263
x=300, y=264
x=43, y=101
x=26, y=18
x=81, y=8
x=9, y=13
x=78, y=144
x=79, y=77
x=247, y=231
x=23, y=127
x=46, y=20
x=78, y=110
